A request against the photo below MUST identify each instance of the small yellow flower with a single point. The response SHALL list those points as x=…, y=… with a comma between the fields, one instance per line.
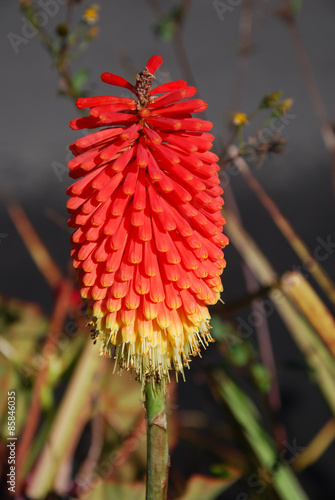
x=240, y=119
x=91, y=14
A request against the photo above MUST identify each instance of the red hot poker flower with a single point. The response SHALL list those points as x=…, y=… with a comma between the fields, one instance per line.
x=148, y=243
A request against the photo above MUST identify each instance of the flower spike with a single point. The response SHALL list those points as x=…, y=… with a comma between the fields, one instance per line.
x=146, y=208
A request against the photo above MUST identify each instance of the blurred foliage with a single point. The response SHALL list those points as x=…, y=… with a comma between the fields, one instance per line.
x=130, y=491
x=66, y=395
x=295, y=6
x=167, y=26
x=198, y=488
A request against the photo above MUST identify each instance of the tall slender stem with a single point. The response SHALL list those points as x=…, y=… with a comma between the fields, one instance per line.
x=157, y=442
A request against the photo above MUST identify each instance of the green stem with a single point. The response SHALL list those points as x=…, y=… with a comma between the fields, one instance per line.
x=157, y=442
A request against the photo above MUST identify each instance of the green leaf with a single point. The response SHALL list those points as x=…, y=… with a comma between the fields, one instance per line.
x=116, y=491
x=47, y=397
x=295, y=6
x=247, y=416
x=168, y=24
x=206, y=488
x=55, y=49
x=239, y=354
x=261, y=376
x=240, y=351
x=79, y=79
x=223, y=331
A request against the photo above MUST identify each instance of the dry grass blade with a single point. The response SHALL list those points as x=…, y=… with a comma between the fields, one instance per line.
x=316, y=447
x=311, y=306
x=316, y=354
x=63, y=480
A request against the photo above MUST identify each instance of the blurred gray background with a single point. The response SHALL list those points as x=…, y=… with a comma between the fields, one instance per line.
x=35, y=135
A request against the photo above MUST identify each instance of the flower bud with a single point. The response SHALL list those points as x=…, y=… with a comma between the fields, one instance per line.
x=270, y=100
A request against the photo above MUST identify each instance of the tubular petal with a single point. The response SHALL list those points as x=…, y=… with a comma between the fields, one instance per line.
x=172, y=97
x=170, y=271
x=105, y=193
x=150, y=308
x=119, y=288
x=91, y=102
x=113, y=261
x=154, y=63
x=132, y=299
x=172, y=296
x=116, y=80
x=142, y=281
x=122, y=161
x=96, y=111
x=140, y=196
x=168, y=87
x=135, y=251
x=156, y=288
x=145, y=230
x=129, y=185
x=191, y=106
x=150, y=259
x=113, y=304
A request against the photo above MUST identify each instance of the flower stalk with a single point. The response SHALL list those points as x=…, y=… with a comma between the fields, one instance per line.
x=157, y=442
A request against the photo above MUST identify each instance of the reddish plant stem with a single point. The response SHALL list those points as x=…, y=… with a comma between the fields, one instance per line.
x=33, y=242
